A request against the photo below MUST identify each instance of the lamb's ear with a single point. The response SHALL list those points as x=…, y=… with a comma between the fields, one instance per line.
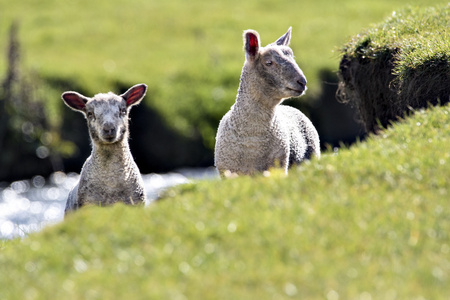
x=251, y=44
x=75, y=100
x=135, y=94
x=285, y=39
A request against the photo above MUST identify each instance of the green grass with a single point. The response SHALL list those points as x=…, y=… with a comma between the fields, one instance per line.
x=188, y=52
x=400, y=63
x=368, y=222
x=418, y=37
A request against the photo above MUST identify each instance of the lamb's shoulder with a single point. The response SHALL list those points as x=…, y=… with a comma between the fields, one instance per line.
x=72, y=200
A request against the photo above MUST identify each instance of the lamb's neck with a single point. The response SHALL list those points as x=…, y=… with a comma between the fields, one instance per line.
x=252, y=107
x=112, y=157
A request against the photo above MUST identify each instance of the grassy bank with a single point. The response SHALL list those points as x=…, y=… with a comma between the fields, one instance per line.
x=189, y=53
x=369, y=222
x=400, y=63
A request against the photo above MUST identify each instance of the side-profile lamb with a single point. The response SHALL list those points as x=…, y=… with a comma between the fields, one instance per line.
x=258, y=133
x=110, y=174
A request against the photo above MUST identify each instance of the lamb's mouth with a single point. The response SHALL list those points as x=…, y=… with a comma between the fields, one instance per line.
x=297, y=91
x=109, y=139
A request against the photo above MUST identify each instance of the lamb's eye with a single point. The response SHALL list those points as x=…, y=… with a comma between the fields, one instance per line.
x=268, y=62
x=123, y=111
x=90, y=115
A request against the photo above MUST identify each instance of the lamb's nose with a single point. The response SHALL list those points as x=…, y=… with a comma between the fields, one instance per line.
x=109, y=130
x=302, y=82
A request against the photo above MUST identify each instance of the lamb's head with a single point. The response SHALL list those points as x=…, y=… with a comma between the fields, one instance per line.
x=273, y=68
x=106, y=114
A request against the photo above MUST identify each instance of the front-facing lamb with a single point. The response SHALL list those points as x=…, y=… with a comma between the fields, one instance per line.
x=110, y=174
x=257, y=133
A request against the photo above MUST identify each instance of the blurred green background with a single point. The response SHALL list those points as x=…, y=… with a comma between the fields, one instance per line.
x=190, y=55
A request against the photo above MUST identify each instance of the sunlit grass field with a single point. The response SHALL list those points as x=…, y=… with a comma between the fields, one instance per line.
x=369, y=222
x=188, y=52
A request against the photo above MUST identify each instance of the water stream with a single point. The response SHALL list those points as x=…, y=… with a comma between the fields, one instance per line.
x=29, y=205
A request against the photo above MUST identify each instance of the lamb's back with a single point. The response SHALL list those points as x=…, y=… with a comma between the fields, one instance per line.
x=304, y=139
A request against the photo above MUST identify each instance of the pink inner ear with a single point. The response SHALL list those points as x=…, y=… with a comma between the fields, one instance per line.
x=74, y=101
x=135, y=95
x=252, y=44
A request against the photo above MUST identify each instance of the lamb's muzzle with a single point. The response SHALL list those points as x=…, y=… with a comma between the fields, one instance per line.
x=109, y=132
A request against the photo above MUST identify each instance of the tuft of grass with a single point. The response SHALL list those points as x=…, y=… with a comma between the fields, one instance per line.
x=415, y=35
x=368, y=222
x=400, y=63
